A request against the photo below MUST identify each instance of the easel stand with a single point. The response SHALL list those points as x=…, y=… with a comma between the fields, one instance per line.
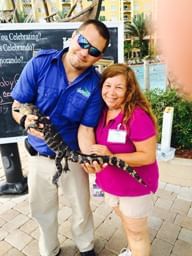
x=15, y=182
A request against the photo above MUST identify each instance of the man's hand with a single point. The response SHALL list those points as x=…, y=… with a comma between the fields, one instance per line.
x=31, y=126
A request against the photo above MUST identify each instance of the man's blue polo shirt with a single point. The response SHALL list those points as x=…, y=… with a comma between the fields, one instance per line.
x=43, y=82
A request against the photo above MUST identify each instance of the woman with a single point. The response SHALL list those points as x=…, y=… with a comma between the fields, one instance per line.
x=127, y=129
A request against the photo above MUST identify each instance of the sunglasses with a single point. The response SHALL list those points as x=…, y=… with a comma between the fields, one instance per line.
x=84, y=44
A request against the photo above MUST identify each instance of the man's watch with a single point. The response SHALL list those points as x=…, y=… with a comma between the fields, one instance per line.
x=22, y=121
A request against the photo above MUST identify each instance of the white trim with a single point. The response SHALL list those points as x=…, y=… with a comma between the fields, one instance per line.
x=9, y=140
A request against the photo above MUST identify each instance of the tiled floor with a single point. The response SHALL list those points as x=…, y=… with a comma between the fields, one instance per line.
x=170, y=223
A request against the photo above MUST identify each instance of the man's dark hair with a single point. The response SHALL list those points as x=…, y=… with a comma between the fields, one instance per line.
x=101, y=28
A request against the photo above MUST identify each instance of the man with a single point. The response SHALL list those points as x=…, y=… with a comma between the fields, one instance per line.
x=65, y=87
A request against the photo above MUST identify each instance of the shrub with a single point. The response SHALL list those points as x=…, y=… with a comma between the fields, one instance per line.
x=182, y=117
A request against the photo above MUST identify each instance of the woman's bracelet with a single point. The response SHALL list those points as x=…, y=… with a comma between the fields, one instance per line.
x=22, y=121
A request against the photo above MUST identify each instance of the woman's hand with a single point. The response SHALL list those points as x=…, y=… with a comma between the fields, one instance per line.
x=92, y=168
x=101, y=150
x=95, y=167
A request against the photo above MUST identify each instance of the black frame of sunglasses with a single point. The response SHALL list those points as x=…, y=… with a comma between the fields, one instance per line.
x=93, y=51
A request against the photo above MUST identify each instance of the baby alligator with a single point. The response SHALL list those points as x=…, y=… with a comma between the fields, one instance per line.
x=55, y=142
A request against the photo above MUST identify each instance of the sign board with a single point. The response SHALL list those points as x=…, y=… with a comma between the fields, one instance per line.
x=19, y=42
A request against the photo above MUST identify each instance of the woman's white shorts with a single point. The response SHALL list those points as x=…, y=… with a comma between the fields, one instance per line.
x=132, y=207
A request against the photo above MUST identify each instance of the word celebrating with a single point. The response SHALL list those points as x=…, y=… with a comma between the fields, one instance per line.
x=21, y=37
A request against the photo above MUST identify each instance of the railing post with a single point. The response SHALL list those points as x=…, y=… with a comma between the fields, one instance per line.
x=146, y=75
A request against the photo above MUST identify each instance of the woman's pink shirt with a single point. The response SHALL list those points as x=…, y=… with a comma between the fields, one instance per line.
x=114, y=180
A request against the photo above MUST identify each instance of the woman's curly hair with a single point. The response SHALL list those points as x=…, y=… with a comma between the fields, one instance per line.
x=134, y=96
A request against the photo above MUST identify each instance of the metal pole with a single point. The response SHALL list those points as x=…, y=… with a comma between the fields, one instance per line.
x=15, y=182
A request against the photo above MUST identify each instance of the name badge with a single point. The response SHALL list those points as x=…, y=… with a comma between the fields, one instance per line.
x=117, y=136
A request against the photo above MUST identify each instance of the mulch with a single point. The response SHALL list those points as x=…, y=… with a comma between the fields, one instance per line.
x=184, y=153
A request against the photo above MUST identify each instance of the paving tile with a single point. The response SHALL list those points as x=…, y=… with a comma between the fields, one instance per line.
x=186, y=194
x=152, y=234
x=35, y=233
x=181, y=206
x=99, y=244
x=65, y=229
x=106, y=252
x=29, y=226
x=190, y=212
x=3, y=234
x=155, y=222
x=114, y=220
x=164, y=214
x=161, y=248
x=18, y=239
x=23, y=207
x=184, y=221
x=168, y=232
x=182, y=248
x=98, y=220
x=18, y=198
x=14, y=252
x=16, y=222
x=162, y=184
x=31, y=249
x=2, y=222
x=106, y=230
x=4, y=198
x=103, y=210
x=117, y=241
x=4, y=247
x=173, y=188
x=162, y=193
x=9, y=214
x=164, y=203
x=186, y=235
x=6, y=206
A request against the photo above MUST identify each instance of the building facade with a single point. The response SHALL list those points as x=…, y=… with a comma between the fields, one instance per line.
x=113, y=10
